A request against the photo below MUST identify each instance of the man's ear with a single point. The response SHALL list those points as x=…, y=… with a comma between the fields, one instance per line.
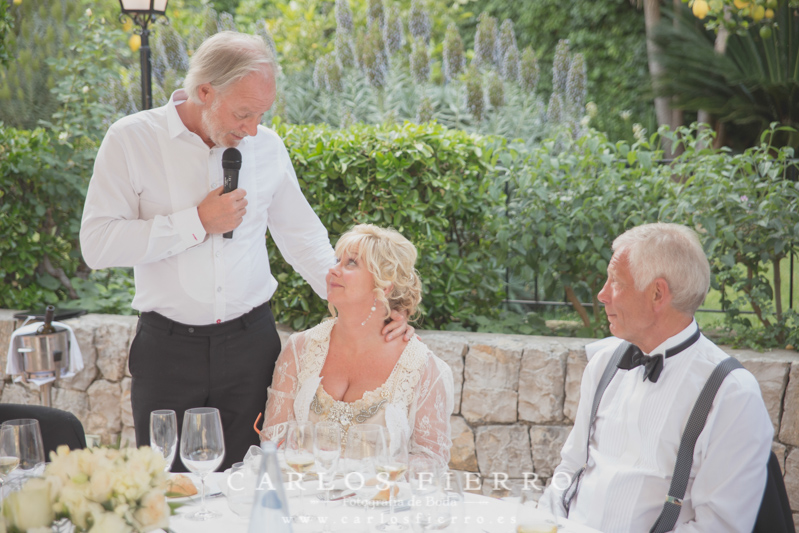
x=661, y=295
x=205, y=92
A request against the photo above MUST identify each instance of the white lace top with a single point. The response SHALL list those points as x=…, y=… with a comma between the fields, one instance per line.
x=415, y=401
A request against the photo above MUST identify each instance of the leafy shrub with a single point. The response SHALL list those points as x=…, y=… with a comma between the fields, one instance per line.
x=433, y=185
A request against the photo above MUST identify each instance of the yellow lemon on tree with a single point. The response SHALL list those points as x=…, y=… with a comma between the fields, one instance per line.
x=758, y=13
x=17, y=2
x=771, y=4
x=700, y=9
x=127, y=26
x=769, y=13
x=134, y=42
x=740, y=4
x=765, y=32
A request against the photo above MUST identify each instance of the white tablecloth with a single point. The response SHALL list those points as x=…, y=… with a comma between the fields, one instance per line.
x=482, y=515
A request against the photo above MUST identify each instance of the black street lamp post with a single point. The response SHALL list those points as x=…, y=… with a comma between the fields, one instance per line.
x=143, y=12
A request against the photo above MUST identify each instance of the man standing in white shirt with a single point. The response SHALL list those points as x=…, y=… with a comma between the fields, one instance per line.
x=657, y=279
x=206, y=336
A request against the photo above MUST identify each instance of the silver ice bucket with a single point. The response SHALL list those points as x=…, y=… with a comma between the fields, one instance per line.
x=43, y=353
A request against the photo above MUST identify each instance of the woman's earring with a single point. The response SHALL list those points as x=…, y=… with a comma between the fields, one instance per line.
x=370, y=312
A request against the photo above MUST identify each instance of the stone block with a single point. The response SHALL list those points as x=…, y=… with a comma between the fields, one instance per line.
x=21, y=393
x=112, y=340
x=792, y=478
x=128, y=436
x=541, y=382
x=74, y=401
x=462, y=454
x=772, y=377
x=491, y=379
x=104, y=406
x=84, y=328
x=452, y=349
x=780, y=450
x=576, y=362
x=504, y=450
x=127, y=409
x=789, y=425
x=546, y=443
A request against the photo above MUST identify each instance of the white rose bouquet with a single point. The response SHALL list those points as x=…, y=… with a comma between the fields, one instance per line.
x=99, y=490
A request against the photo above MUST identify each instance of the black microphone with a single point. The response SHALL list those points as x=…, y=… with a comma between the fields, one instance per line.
x=231, y=163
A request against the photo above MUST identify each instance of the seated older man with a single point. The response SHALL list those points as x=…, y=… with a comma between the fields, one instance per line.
x=657, y=278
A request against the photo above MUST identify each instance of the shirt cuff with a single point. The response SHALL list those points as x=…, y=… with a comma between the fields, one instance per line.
x=188, y=225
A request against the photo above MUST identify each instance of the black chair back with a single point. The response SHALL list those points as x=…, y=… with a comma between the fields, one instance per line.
x=775, y=510
x=58, y=427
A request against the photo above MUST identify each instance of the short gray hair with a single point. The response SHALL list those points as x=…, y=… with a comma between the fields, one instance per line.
x=225, y=58
x=672, y=252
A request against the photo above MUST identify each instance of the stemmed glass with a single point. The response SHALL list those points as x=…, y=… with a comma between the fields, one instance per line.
x=533, y=519
x=202, y=449
x=300, y=456
x=392, y=462
x=28, y=443
x=164, y=434
x=327, y=450
x=9, y=454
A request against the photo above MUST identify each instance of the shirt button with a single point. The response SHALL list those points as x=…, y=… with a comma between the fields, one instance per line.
x=191, y=330
x=169, y=253
x=219, y=289
x=218, y=254
x=218, y=321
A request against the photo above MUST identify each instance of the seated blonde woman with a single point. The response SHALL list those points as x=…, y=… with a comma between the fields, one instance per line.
x=343, y=370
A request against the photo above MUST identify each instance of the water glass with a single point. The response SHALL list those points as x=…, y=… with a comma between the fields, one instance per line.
x=327, y=451
x=202, y=449
x=392, y=464
x=241, y=489
x=426, y=492
x=9, y=454
x=164, y=434
x=27, y=445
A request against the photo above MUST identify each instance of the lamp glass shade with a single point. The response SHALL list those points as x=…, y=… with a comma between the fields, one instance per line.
x=155, y=6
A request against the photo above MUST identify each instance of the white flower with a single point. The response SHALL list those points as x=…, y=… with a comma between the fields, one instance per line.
x=625, y=115
x=109, y=523
x=592, y=109
x=30, y=507
x=89, y=12
x=154, y=512
x=85, y=89
x=639, y=132
x=63, y=136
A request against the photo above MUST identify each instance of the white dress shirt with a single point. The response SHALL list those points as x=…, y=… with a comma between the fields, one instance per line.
x=638, y=429
x=150, y=175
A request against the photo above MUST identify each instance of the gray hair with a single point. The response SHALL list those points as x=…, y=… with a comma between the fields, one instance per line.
x=225, y=58
x=672, y=252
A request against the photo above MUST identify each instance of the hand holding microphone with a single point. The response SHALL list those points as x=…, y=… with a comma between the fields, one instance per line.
x=224, y=207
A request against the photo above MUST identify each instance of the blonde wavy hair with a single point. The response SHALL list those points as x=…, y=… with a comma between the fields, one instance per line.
x=390, y=258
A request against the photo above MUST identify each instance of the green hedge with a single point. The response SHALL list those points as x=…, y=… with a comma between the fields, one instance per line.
x=435, y=186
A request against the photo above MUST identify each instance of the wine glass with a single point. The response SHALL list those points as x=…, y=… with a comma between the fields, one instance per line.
x=164, y=434
x=300, y=456
x=9, y=454
x=28, y=443
x=327, y=450
x=531, y=518
x=202, y=449
x=392, y=462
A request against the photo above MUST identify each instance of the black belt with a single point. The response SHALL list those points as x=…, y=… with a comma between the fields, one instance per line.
x=151, y=318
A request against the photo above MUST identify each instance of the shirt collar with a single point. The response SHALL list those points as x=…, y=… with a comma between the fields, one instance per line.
x=174, y=124
x=676, y=339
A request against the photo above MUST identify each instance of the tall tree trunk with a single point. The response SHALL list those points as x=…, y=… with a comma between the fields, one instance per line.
x=677, y=115
x=663, y=110
x=720, y=47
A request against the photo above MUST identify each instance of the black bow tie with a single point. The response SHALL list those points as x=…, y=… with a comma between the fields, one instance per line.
x=653, y=364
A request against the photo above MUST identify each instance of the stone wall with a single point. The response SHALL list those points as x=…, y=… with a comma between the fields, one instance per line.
x=515, y=396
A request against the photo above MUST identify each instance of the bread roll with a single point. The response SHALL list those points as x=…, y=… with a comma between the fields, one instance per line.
x=179, y=486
